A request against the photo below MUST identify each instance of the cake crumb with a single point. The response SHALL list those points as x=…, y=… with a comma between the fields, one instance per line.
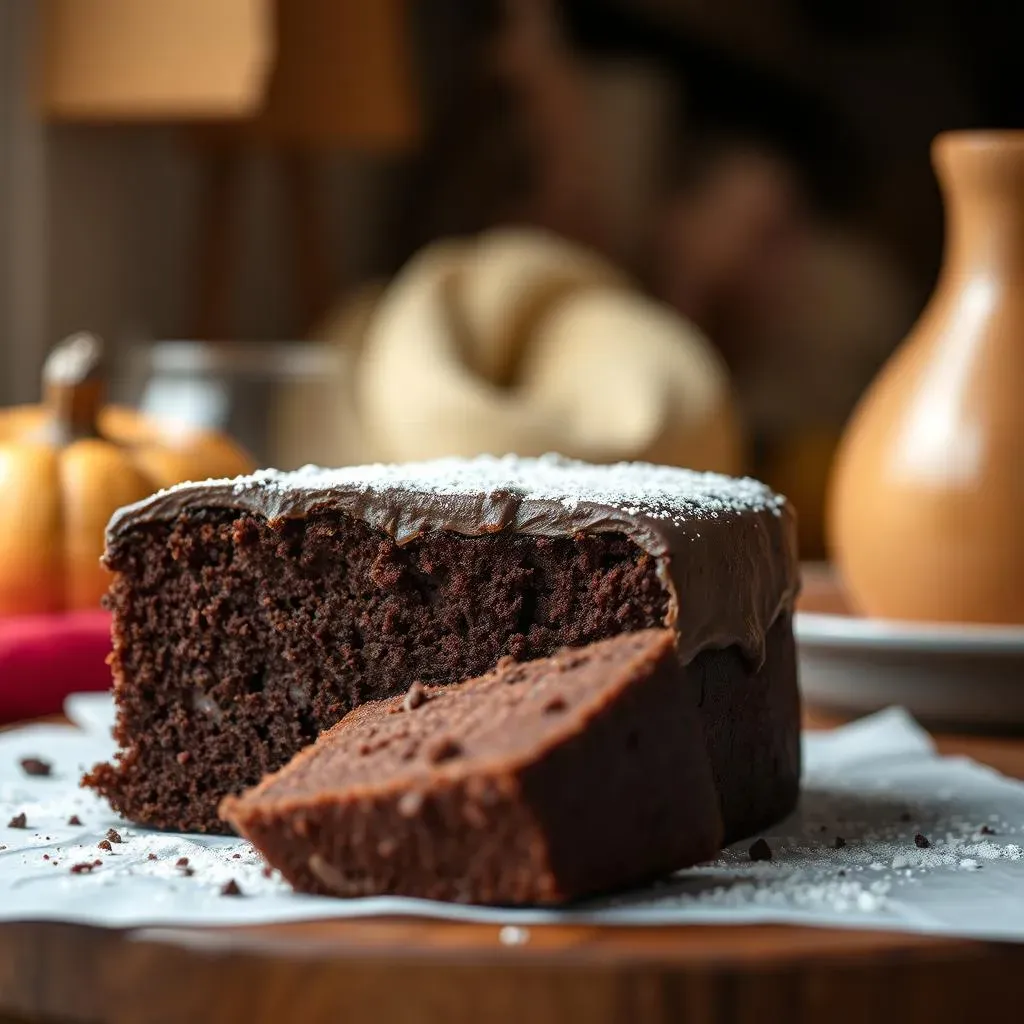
x=985, y=830
x=114, y=836
x=181, y=862
x=839, y=843
x=415, y=696
x=85, y=867
x=760, y=850
x=236, y=856
x=36, y=766
x=921, y=842
x=74, y=820
x=231, y=888
x=445, y=748
x=104, y=844
x=18, y=821
x=151, y=856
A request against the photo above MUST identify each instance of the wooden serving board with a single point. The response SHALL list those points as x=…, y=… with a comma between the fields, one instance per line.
x=396, y=971
x=415, y=971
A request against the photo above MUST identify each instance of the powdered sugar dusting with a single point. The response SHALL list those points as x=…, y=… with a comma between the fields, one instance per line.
x=635, y=488
x=847, y=853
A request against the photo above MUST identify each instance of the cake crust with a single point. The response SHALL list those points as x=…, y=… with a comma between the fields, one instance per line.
x=250, y=615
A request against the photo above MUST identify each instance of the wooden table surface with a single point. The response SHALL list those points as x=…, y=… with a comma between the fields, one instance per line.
x=389, y=971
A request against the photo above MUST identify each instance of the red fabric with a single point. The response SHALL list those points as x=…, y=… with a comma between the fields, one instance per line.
x=43, y=658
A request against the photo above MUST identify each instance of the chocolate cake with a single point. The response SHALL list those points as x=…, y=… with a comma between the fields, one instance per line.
x=249, y=615
x=539, y=783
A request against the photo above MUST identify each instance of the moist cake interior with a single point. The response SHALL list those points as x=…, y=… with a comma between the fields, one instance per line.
x=537, y=783
x=237, y=640
x=504, y=719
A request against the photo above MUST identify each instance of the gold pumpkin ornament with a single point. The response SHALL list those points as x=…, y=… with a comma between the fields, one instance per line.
x=68, y=464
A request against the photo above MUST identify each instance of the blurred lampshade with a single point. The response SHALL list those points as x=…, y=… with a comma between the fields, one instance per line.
x=299, y=72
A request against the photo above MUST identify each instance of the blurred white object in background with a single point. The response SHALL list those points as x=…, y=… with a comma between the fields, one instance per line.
x=519, y=342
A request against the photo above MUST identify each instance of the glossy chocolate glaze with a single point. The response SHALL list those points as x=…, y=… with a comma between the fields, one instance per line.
x=725, y=548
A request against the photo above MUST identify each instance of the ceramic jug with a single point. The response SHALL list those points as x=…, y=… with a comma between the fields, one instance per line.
x=926, y=509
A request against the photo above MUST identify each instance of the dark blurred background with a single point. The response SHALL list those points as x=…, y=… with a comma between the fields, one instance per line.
x=227, y=196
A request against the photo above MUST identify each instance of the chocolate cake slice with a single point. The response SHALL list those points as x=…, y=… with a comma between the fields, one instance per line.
x=539, y=783
x=249, y=615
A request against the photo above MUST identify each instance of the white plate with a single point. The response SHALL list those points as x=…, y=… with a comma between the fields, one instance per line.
x=955, y=675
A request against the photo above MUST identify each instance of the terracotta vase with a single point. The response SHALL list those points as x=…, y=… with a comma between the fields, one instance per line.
x=926, y=511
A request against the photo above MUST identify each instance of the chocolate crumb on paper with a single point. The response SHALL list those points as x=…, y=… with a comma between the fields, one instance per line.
x=104, y=844
x=760, y=850
x=36, y=767
x=114, y=836
x=921, y=842
x=74, y=820
x=18, y=821
x=183, y=867
x=85, y=867
x=231, y=888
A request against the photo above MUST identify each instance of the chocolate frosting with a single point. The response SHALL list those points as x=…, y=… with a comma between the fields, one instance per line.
x=725, y=547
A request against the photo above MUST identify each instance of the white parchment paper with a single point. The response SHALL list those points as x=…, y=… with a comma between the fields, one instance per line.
x=848, y=858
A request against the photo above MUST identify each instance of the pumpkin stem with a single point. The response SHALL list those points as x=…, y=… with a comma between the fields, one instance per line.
x=74, y=387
